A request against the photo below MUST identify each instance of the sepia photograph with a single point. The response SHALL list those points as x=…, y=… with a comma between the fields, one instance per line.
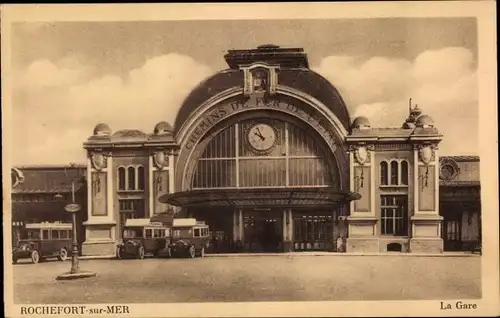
x=170, y=161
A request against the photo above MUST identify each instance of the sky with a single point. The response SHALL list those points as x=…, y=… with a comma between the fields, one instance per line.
x=69, y=76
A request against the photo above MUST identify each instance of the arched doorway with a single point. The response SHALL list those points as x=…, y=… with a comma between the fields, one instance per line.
x=273, y=152
x=265, y=181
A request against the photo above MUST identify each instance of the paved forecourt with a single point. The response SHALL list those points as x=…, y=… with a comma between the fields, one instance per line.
x=252, y=278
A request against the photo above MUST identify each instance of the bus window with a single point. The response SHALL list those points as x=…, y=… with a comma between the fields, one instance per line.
x=64, y=234
x=157, y=233
x=55, y=234
x=132, y=233
x=148, y=233
x=197, y=233
x=31, y=235
x=45, y=234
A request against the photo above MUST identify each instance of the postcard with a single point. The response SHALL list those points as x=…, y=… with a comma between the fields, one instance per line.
x=250, y=159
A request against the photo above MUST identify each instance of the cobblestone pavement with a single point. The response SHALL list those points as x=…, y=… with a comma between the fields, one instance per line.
x=284, y=278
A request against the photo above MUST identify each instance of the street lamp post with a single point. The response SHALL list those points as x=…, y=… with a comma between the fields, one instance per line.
x=75, y=271
x=73, y=208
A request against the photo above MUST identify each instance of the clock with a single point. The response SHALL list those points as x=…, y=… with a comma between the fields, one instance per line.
x=261, y=137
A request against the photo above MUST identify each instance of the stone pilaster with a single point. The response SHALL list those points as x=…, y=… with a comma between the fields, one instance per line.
x=426, y=221
x=362, y=221
x=100, y=227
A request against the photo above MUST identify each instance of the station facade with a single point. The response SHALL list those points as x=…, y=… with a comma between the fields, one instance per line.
x=268, y=156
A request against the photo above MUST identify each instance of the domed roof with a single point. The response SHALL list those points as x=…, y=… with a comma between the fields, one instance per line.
x=416, y=111
x=360, y=122
x=304, y=80
x=424, y=120
x=163, y=128
x=102, y=129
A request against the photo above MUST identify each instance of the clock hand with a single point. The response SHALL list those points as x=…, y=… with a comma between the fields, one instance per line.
x=259, y=135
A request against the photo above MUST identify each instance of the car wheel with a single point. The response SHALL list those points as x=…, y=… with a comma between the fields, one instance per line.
x=140, y=252
x=192, y=252
x=35, y=257
x=119, y=253
x=63, y=254
x=202, y=252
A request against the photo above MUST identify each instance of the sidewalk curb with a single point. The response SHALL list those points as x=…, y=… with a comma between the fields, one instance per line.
x=303, y=254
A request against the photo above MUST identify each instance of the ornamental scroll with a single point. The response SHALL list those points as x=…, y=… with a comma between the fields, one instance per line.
x=99, y=159
x=160, y=158
x=362, y=153
x=426, y=153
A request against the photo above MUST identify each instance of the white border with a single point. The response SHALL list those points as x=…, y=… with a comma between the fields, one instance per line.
x=485, y=11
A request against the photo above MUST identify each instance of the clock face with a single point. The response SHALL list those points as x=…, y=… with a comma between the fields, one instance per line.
x=261, y=137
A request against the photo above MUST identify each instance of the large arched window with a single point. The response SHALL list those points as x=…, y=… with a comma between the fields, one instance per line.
x=263, y=152
x=384, y=173
x=121, y=178
x=394, y=172
x=140, y=178
x=131, y=178
x=404, y=173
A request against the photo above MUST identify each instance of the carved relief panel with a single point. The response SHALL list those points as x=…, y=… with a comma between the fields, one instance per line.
x=362, y=181
x=427, y=177
x=427, y=187
x=362, y=176
x=161, y=186
x=98, y=191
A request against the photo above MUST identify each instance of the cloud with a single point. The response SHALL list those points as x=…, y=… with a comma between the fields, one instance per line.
x=56, y=105
x=43, y=74
x=443, y=83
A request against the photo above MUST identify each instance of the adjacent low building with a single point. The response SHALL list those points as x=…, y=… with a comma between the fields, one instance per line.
x=40, y=193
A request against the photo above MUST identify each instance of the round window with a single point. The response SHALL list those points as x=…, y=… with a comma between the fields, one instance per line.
x=447, y=172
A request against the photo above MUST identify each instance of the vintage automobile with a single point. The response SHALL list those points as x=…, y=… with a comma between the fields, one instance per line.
x=40, y=241
x=190, y=238
x=142, y=237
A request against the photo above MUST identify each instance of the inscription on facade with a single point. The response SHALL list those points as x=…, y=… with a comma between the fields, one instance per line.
x=258, y=103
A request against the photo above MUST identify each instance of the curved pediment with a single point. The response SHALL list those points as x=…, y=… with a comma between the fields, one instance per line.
x=129, y=134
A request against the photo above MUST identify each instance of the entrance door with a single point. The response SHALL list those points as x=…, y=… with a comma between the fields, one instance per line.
x=312, y=231
x=220, y=225
x=263, y=230
x=452, y=233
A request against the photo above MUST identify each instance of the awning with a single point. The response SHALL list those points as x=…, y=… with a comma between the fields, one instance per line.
x=290, y=197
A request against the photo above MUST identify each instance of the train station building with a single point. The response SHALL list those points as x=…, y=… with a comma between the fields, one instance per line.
x=267, y=154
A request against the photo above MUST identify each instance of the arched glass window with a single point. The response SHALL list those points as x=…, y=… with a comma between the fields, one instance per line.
x=383, y=173
x=404, y=172
x=121, y=178
x=140, y=178
x=394, y=172
x=131, y=178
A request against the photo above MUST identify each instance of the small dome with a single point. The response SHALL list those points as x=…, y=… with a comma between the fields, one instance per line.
x=102, y=130
x=425, y=121
x=361, y=122
x=163, y=128
x=416, y=111
x=408, y=125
